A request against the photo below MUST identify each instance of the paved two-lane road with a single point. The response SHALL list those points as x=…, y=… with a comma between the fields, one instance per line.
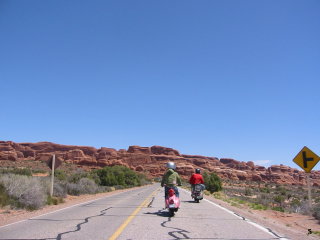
x=137, y=214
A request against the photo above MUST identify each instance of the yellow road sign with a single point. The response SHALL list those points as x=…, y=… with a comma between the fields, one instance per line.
x=306, y=159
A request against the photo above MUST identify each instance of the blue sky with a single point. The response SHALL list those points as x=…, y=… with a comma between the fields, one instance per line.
x=235, y=79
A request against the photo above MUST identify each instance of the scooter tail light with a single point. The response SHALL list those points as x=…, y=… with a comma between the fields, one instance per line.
x=171, y=192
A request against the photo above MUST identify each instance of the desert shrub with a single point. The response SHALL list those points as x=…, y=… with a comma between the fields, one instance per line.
x=316, y=211
x=18, y=171
x=279, y=199
x=106, y=189
x=213, y=182
x=84, y=186
x=94, y=176
x=88, y=186
x=118, y=187
x=281, y=190
x=118, y=175
x=257, y=206
x=218, y=195
x=295, y=205
x=4, y=197
x=28, y=191
x=60, y=175
x=304, y=207
x=73, y=189
x=77, y=175
x=264, y=199
x=54, y=200
x=279, y=209
x=144, y=180
x=38, y=171
x=248, y=192
x=59, y=190
x=265, y=190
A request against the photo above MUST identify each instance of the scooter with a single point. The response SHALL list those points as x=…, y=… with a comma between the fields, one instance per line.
x=172, y=202
x=197, y=193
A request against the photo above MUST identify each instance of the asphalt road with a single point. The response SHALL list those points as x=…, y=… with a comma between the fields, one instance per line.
x=138, y=214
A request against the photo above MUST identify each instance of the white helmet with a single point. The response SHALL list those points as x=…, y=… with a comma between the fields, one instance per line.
x=171, y=165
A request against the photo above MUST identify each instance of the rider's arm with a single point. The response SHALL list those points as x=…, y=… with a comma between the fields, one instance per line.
x=191, y=179
x=162, y=182
x=179, y=180
x=202, y=181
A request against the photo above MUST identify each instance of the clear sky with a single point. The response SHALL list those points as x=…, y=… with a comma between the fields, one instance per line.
x=228, y=79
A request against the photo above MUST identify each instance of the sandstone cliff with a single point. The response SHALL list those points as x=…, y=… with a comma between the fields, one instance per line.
x=151, y=161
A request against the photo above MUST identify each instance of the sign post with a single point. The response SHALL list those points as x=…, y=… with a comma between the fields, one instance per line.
x=309, y=190
x=52, y=174
x=53, y=163
x=306, y=159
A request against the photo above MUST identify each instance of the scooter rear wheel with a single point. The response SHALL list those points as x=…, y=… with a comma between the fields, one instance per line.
x=171, y=212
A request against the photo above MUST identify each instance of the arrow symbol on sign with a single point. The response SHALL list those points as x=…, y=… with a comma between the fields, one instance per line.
x=305, y=159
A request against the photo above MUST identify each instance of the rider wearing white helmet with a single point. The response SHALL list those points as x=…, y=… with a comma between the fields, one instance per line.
x=171, y=179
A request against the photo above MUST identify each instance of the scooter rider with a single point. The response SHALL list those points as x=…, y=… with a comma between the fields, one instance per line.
x=171, y=179
x=196, y=178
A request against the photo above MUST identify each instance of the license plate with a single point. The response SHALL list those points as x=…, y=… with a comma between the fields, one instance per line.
x=172, y=206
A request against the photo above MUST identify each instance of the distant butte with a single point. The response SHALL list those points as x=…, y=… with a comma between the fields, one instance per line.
x=150, y=161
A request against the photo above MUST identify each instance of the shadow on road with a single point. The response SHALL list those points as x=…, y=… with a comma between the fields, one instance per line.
x=160, y=213
x=190, y=201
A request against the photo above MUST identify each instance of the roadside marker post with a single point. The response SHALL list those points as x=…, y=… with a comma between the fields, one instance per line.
x=53, y=163
x=306, y=159
x=52, y=174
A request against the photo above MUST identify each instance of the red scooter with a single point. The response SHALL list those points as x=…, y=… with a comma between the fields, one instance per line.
x=172, y=202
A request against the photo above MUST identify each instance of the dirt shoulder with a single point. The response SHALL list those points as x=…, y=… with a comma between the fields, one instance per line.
x=289, y=225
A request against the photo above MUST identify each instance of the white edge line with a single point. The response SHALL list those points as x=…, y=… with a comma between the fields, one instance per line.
x=62, y=209
x=246, y=219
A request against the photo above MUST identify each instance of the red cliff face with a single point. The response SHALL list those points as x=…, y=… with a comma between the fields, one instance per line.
x=151, y=161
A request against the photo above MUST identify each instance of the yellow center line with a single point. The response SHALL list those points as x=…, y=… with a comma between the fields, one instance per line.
x=129, y=219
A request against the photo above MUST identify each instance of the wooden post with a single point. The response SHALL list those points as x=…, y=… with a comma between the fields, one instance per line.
x=52, y=174
x=309, y=191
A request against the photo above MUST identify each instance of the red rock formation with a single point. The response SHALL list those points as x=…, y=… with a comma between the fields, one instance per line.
x=151, y=160
x=163, y=150
x=138, y=149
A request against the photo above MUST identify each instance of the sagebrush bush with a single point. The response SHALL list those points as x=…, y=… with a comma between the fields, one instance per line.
x=60, y=175
x=77, y=175
x=316, y=211
x=59, y=190
x=73, y=189
x=28, y=191
x=4, y=198
x=248, y=192
x=84, y=186
x=18, y=171
x=88, y=186
x=279, y=209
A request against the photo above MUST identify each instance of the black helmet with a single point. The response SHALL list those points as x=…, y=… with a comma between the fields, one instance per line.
x=198, y=170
